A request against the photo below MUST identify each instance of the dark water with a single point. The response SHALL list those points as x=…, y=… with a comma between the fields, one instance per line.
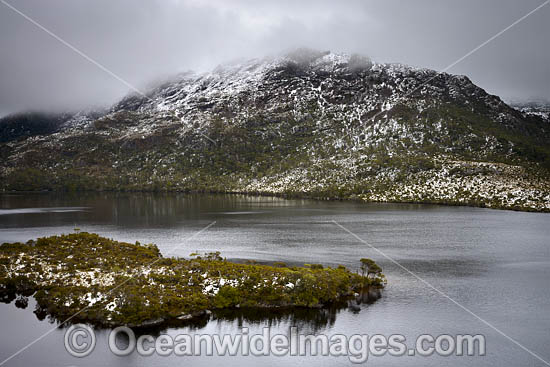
x=494, y=263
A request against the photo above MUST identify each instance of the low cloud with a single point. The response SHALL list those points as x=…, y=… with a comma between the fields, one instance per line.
x=143, y=41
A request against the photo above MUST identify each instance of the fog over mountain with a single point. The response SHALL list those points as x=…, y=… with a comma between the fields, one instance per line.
x=150, y=40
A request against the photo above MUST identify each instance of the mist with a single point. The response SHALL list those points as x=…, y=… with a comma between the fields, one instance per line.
x=144, y=41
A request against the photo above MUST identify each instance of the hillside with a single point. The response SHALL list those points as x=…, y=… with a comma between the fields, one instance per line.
x=310, y=123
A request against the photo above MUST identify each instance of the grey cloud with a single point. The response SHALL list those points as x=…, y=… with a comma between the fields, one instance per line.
x=142, y=41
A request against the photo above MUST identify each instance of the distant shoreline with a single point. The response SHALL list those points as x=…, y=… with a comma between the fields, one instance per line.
x=290, y=196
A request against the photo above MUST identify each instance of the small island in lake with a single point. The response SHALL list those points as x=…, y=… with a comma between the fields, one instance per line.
x=89, y=278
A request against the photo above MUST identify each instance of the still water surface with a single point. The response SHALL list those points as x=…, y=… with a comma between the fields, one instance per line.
x=495, y=263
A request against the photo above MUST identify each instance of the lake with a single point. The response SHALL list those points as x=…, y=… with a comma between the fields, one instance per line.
x=484, y=264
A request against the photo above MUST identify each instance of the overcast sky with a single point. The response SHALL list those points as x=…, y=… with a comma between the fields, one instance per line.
x=142, y=41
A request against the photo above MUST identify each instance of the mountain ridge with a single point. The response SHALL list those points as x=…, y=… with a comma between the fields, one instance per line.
x=310, y=123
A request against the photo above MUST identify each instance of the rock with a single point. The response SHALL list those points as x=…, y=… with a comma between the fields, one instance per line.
x=186, y=316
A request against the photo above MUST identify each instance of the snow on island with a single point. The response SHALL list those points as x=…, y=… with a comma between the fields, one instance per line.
x=110, y=283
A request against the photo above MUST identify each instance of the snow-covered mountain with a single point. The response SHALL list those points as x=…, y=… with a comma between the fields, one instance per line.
x=535, y=108
x=308, y=123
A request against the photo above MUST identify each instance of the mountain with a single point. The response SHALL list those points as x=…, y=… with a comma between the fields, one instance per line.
x=23, y=125
x=534, y=108
x=309, y=123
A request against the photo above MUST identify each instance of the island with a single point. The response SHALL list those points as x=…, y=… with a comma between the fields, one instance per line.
x=83, y=277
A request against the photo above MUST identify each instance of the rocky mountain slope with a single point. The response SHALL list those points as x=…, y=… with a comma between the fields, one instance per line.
x=309, y=123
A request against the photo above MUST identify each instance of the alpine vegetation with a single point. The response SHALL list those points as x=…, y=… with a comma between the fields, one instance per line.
x=85, y=277
x=309, y=123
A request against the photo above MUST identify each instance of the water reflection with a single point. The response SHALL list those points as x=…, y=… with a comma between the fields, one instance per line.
x=310, y=319
x=494, y=262
x=132, y=209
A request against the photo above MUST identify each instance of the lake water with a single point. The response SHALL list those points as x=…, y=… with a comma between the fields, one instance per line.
x=494, y=263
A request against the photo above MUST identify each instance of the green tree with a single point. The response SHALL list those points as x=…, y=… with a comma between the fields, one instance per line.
x=370, y=269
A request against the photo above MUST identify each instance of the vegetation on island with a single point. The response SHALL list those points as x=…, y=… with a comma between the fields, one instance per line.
x=89, y=278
